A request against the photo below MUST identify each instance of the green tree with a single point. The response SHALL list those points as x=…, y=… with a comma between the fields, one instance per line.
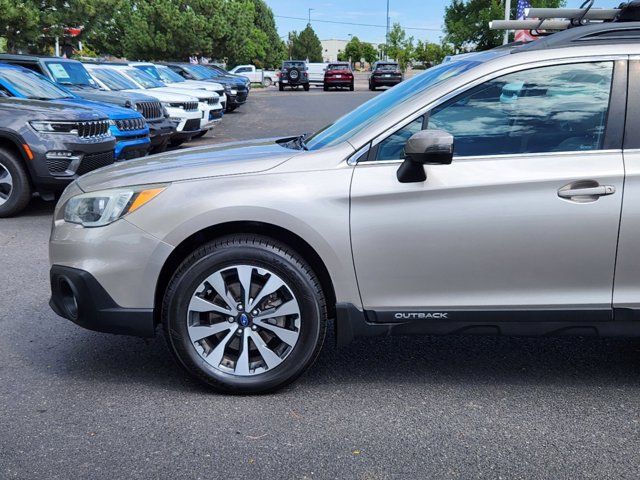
x=369, y=53
x=19, y=24
x=306, y=45
x=431, y=53
x=466, y=22
x=275, y=50
x=353, y=50
x=399, y=46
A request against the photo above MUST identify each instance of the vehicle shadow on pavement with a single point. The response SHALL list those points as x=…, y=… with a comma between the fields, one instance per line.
x=401, y=361
x=391, y=361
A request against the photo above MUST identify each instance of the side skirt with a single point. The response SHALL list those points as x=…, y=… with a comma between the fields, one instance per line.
x=352, y=322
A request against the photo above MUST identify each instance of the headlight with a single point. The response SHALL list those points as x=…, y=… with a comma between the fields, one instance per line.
x=97, y=209
x=173, y=105
x=112, y=123
x=227, y=88
x=234, y=92
x=55, y=127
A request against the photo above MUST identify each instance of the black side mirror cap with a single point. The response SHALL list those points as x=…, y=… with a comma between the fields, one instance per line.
x=426, y=147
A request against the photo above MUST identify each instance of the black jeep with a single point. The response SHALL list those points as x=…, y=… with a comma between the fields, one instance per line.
x=293, y=74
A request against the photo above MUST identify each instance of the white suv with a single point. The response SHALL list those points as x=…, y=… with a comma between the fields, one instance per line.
x=170, y=78
x=208, y=102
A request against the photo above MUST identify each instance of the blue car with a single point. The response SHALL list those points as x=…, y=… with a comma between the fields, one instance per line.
x=128, y=127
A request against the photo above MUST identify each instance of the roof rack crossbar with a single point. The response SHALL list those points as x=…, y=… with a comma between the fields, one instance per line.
x=572, y=13
x=529, y=24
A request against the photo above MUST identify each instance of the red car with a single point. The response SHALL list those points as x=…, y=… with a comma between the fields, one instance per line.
x=338, y=75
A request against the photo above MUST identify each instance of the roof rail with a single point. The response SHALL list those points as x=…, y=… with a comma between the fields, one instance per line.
x=545, y=21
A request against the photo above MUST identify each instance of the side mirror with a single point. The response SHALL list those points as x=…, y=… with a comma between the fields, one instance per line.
x=426, y=147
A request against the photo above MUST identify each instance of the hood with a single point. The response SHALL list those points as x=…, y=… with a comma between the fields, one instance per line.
x=201, y=162
x=47, y=110
x=199, y=94
x=198, y=84
x=167, y=95
x=123, y=99
x=112, y=111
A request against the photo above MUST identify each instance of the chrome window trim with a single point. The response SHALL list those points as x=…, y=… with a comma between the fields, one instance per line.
x=353, y=159
x=509, y=156
x=496, y=74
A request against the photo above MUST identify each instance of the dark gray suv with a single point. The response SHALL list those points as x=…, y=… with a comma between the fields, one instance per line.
x=44, y=146
x=293, y=73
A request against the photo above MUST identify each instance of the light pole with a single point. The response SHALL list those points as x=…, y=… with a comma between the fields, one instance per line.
x=507, y=14
x=309, y=22
x=386, y=41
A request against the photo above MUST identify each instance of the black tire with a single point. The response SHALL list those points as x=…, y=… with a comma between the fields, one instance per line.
x=20, y=193
x=178, y=141
x=280, y=87
x=267, y=82
x=371, y=87
x=351, y=87
x=325, y=88
x=265, y=253
x=306, y=87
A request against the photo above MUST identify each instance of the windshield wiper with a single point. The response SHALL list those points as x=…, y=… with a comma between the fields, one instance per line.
x=298, y=142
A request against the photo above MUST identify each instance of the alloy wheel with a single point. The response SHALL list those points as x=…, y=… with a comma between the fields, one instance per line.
x=243, y=320
x=6, y=184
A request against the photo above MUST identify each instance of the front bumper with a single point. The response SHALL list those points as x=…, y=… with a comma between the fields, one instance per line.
x=160, y=131
x=90, y=152
x=112, y=272
x=77, y=296
x=131, y=143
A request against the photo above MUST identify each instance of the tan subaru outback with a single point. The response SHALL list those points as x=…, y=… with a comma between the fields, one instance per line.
x=483, y=196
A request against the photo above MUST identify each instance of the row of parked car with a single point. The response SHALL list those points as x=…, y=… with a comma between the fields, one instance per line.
x=298, y=73
x=61, y=118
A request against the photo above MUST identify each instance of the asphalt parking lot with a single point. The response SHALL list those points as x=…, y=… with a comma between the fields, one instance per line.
x=78, y=404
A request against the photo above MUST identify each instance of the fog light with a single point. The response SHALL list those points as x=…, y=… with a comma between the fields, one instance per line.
x=59, y=154
x=69, y=301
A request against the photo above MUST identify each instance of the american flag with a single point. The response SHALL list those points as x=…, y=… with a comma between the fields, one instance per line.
x=523, y=35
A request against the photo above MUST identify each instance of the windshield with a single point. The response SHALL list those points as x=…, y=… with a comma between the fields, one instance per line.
x=70, y=73
x=31, y=85
x=218, y=69
x=149, y=70
x=201, y=73
x=387, y=66
x=147, y=81
x=371, y=111
x=169, y=76
x=293, y=65
x=114, y=80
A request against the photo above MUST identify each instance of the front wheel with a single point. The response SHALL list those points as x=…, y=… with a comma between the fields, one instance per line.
x=15, y=190
x=244, y=314
x=306, y=87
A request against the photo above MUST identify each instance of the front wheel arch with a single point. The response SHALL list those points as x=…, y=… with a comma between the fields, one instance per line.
x=297, y=243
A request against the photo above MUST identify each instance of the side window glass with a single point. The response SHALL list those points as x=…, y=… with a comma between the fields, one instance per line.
x=392, y=147
x=561, y=108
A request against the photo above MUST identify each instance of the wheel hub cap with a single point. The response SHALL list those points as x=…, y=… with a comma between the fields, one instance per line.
x=6, y=184
x=234, y=341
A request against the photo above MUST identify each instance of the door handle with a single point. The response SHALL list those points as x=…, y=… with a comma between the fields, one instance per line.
x=600, y=191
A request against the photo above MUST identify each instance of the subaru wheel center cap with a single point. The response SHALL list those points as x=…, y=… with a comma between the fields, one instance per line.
x=243, y=320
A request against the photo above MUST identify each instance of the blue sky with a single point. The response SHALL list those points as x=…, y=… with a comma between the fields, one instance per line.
x=425, y=14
